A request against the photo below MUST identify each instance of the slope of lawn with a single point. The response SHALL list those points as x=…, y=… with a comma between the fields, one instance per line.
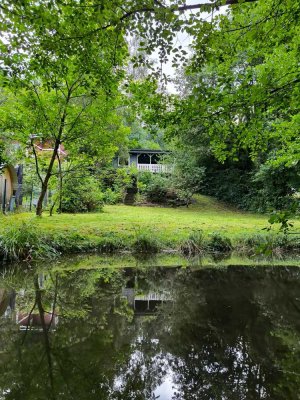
x=166, y=223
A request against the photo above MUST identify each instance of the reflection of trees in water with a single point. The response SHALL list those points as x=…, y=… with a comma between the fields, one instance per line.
x=226, y=323
x=219, y=337
x=225, y=335
x=74, y=360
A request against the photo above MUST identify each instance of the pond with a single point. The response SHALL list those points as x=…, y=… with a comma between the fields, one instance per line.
x=150, y=333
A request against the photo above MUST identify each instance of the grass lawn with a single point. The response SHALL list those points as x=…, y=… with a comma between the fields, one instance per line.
x=170, y=224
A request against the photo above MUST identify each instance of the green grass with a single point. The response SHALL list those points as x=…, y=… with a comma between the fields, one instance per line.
x=166, y=223
x=122, y=227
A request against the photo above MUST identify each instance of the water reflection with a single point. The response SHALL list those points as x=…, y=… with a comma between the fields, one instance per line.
x=151, y=334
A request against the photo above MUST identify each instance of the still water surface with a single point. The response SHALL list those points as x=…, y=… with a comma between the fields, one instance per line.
x=155, y=333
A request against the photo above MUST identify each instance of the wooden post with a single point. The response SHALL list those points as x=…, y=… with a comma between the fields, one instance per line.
x=19, y=195
x=4, y=196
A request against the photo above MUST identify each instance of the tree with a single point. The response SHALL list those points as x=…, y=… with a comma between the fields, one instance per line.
x=72, y=26
x=240, y=97
x=61, y=94
x=187, y=175
x=88, y=40
x=68, y=117
x=246, y=78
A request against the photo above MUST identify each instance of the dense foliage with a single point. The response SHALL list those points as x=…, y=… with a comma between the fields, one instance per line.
x=237, y=110
x=81, y=193
x=236, y=117
x=60, y=94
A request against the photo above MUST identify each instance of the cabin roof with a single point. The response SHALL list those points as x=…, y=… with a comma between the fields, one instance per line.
x=148, y=151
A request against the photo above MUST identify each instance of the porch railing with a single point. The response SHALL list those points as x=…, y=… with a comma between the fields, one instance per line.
x=154, y=167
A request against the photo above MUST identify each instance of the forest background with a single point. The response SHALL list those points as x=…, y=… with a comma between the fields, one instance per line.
x=69, y=79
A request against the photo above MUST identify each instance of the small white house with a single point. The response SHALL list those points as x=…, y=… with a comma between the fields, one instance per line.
x=144, y=160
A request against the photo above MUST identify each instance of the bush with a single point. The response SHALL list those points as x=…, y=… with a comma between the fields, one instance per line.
x=219, y=243
x=25, y=242
x=160, y=189
x=157, y=189
x=112, y=197
x=268, y=244
x=115, y=182
x=146, y=242
x=81, y=194
x=260, y=189
x=187, y=176
x=194, y=244
x=144, y=178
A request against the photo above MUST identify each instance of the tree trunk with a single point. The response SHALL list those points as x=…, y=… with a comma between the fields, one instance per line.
x=60, y=176
x=38, y=300
x=39, y=206
x=52, y=208
x=45, y=181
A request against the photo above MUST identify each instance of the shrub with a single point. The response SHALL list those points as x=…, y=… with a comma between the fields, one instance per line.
x=112, y=197
x=187, y=176
x=256, y=188
x=144, y=179
x=81, y=194
x=194, y=244
x=219, y=243
x=157, y=189
x=161, y=190
x=115, y=183
x=268, y=244
x=146, y=242
x=25, y=242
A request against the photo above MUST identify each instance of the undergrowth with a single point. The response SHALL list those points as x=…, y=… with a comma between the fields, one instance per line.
x=218, y=243
x=270, y=244
x=194, y=244
x=27, y=241
x=146, y=242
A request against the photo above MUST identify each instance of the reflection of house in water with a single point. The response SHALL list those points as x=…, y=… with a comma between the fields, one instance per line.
x=145, y=304
x=143, y=293
x=34, y=320
x=26, y=320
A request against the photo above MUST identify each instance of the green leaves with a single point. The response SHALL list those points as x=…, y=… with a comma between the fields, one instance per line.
x=241, y=88
x=283, y=218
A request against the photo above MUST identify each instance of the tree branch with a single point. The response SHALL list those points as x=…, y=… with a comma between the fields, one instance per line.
x=127, y=15
x=216, y=4
x=37, y=169
x=186, y=7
